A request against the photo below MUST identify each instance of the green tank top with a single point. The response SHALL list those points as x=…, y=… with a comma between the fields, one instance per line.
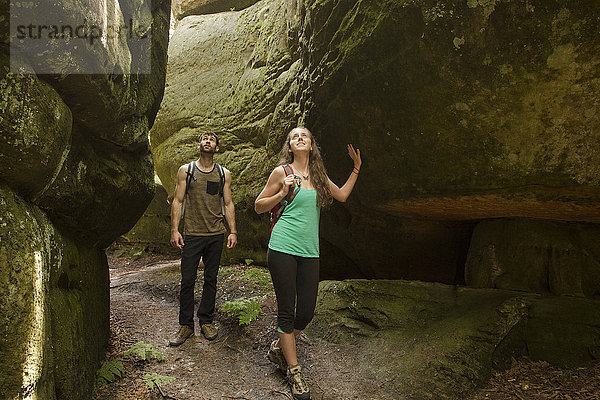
x=297, y=231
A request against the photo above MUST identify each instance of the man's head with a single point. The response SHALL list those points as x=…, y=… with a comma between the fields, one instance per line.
x=208, y=142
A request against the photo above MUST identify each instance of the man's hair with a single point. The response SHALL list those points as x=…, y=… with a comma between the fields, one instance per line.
x=208, y=134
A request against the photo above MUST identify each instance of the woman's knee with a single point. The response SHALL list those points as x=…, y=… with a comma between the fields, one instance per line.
x=302, y=320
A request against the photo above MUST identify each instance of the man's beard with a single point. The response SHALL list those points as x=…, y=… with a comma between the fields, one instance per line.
x=210, y=150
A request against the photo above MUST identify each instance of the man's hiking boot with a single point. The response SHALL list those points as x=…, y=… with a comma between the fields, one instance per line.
x=296, y=381
x=275, y=355
x=181, y=336
x=209, y=331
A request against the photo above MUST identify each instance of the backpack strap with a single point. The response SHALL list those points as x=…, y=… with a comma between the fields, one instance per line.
x=188, y=180
x=221, y=178
x=221, y=185
x=278, y=209
x=288, y=169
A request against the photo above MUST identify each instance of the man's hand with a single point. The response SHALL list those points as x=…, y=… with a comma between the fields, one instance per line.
x=231, y=240
x=176, y=239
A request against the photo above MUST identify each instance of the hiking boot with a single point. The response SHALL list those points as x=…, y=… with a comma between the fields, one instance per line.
x=275, y=355
x=181, y=336
x=296, y=381
x=209, y=331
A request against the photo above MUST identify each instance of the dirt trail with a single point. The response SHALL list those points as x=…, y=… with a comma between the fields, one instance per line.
x=144, y=307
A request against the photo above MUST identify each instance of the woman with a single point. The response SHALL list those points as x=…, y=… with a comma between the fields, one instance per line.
x=293, y=254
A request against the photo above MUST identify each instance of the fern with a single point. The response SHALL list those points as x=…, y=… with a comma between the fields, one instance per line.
x=246, y=310
x=145, y=352
x=156, y=381
x=109, y=372
x=258, y=276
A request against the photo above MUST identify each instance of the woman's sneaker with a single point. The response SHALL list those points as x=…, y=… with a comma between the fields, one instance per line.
x=275, y=355
x=296, y=381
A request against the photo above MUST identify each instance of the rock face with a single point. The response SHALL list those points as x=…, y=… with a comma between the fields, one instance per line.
x=75, y=173
x=54, y=305
x=463, y=110
x=535, y=256
x=432, y=341
x=152, y=231
x=183, y=8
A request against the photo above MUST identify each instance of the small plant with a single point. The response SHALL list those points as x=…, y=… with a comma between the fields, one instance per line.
x=227, y=271
x=248, y=261
x=146, y=352
x=245, y=310
x=109, y=372
x=259, y=277
x=155, y=381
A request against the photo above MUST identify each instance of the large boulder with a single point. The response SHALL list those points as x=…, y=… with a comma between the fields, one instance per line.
x=113, y=85
x=183, y=8
x=76, y=173
x=101, y=190
x=225, y=76
x=463, y=110
x=54, y=306
x=433, y=341
x=35, y=129
x=154, y=225
x=535, y=256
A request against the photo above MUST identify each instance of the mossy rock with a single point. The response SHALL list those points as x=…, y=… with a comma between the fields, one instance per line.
x=433, y=341
x=35, y=128
x=184, y=8
x=54, y=305
x=463, y=111
x=100, y=192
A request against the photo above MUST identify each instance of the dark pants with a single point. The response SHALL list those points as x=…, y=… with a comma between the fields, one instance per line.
x=209, y=249
x=296, y=283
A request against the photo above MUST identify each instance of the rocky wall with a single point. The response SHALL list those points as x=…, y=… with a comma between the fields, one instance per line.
x=75, y=173
x=424, y=340
x=463, y=111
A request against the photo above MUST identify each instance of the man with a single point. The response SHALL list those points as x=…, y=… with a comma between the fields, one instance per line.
x=204, y=232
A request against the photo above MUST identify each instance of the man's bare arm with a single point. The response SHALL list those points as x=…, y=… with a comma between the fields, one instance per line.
x=229, y=211
x=176, y=206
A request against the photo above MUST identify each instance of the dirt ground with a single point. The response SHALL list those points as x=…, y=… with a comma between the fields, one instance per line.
x=144, y=307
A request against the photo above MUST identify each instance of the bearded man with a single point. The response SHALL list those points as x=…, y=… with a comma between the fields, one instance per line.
x=206, y=188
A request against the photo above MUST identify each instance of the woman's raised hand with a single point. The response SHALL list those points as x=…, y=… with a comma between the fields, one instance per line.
x=355, y=156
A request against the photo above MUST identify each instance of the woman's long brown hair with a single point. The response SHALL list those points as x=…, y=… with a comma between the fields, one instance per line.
x=316, y=168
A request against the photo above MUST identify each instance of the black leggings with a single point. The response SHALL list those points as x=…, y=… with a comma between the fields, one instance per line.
x=294, y=277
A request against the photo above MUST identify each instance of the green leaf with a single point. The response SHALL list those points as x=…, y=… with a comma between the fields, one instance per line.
x=245, y=310
x=154, y=380
x=109, y=372
x=145, y=352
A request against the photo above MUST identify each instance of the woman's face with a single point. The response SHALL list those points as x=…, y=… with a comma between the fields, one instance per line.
x=300, y=140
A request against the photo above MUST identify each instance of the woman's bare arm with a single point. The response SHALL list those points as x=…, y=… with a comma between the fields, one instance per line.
x=275, y=190
x=342, y=193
